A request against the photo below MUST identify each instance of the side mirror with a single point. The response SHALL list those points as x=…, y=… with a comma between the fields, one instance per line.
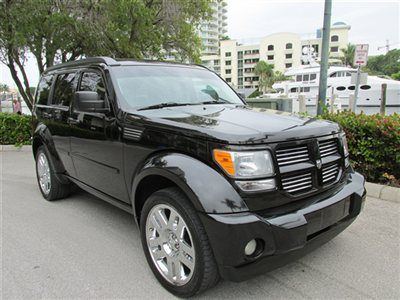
x=88, y=101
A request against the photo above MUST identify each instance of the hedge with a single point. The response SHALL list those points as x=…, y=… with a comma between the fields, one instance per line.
x=374, y=144
x=374, y=141
x=15, y=129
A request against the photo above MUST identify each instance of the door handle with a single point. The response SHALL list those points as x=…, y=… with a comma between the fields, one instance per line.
x=73, y=121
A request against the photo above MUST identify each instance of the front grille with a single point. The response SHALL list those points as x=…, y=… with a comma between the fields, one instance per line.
x=330, y=173
x=292, y=155
x=328, y=147
x=297, y=183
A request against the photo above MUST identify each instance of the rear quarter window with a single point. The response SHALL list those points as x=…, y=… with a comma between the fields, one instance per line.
x=43, y=90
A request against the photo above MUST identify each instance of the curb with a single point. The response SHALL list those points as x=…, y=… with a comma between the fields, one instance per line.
x=10, y=148
x=383, y=192
x=374, y=190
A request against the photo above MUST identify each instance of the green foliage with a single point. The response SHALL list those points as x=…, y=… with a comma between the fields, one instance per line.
x=374, y=144
x=4, y=88
x=15, y=129
x=265, y=71
x=255, y=94
x=388, y=64
x=348, y=55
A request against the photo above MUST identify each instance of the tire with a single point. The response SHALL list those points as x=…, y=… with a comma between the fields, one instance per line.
x=49, y=185
x=190, y=250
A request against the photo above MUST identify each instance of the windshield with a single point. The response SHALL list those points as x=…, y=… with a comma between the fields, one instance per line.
x=142, y=86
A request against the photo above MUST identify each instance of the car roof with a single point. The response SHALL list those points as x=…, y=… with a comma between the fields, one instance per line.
x=117, y=62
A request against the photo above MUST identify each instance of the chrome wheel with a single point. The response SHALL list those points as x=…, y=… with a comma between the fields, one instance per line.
x=170, y=244
x=43, y=171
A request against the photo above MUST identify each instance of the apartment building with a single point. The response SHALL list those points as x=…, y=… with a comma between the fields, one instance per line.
x=235, y=62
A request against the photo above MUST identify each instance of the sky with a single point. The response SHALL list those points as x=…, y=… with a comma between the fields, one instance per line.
x=372, y=22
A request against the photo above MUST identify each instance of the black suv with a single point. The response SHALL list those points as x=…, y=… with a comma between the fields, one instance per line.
x=219, y=189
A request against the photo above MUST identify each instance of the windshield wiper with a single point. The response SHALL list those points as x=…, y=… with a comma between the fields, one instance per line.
x=164, y=104
x=216, y=101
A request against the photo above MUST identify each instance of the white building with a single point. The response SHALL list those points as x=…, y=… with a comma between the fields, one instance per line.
x=213, y=30
x=236, y=62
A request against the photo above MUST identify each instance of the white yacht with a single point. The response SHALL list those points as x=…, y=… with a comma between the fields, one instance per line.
x=305, y=81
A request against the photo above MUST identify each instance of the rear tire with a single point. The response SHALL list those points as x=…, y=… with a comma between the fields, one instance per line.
x=176, y=245
x=49, y=185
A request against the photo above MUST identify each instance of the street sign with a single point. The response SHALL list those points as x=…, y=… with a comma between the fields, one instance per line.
x=361, y=55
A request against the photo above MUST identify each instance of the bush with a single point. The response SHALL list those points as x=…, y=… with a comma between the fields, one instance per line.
x=374, y=144
x=15, y=129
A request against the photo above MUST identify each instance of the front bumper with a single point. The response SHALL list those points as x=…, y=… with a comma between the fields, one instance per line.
x=284, y=237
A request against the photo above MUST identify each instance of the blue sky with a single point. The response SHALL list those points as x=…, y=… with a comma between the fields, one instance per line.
x=372, y=22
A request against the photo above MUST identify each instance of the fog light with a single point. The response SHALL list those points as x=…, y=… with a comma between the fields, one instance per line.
x=250, y=248
x=256, y=185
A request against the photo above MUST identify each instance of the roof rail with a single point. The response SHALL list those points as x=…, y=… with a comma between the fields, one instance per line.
x=91, y=60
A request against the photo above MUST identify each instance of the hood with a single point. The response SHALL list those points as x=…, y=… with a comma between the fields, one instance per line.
x=234, y=124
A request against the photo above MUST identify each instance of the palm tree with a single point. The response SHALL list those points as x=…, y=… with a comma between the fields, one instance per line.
x=348, y=55
x=4, y=88
x=265, y=71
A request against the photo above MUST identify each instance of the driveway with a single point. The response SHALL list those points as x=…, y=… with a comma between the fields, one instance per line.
x=82, y=247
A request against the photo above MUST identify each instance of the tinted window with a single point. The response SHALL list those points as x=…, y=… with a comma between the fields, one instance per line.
x=64, y=89
x=351, y=88
x=293, y=90
x=334, y=38
x=270, y=47
x=289, y=46
x=340, y=88
x=313, y=76
x=299, y=77
x=306, y=77
x=43, y=89
x=92, y=81
x=365, y=87
x=334, y=49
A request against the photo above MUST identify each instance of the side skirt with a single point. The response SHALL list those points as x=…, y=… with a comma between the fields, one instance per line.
x=118, y=203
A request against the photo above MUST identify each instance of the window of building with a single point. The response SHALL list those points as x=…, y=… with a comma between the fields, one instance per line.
x=334, y=38
x=306, y=77
x=43, y=91
x=228, y=54
x=240, y=81
x=293, y=90
x=240, y=54
x=313, y=76
x=255, y=60
x=305, y=89
x=247, y=61
x=240, y=72
x=64, y=89
x=228, y=71
x=289, y=46
x=228, y=79
x=246, y=52
x=270, y=57
x=255, y=78
x=240, y=64
x=287, y=66
x=92, y=81
x=299, y=77
x=270, y=47
x=288, y=55
x=228, y=63
x=255, y=51
x=248, y=79
x=334, y=49
x=316, y=47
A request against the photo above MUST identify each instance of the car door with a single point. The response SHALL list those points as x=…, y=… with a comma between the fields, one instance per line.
x=57, y=114
x=96, y=148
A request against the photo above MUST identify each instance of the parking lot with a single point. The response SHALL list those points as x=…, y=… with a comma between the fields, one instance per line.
x=82, y=247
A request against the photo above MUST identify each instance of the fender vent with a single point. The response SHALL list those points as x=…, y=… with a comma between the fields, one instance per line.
x=132, y=134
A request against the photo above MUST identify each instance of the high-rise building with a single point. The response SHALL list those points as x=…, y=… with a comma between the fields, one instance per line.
x=213, y=30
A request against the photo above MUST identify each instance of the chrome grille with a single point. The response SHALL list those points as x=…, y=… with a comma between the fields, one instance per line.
x=297, y=183
x=330, y=173
x=328, y=147
x=292, y=155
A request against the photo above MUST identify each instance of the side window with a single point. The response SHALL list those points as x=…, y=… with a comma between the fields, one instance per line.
x=93, y=82
x=43, y=91
x=313, y=76
x=64, y=89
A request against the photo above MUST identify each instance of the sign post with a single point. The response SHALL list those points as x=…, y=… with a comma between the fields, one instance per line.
x=360, y=59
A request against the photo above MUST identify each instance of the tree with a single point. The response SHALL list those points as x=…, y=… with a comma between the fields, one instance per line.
x=388, y=64
x=279, y=76
x=348, y=55
x=56, y=31
x=4, y=88
x=265, y=71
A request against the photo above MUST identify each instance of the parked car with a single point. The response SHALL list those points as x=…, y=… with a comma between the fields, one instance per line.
x=218, y=189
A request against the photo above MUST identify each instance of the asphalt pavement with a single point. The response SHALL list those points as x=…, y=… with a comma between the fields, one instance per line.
x=82, y=247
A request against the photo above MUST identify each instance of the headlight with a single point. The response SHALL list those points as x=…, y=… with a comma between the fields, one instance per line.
x=245, y=164
x=345, y=146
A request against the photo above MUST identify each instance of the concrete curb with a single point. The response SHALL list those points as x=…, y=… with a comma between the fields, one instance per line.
x=383, y=192
x=378, y=191
x=8, y=148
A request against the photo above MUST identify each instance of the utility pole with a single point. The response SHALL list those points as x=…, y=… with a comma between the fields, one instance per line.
x=323, y=77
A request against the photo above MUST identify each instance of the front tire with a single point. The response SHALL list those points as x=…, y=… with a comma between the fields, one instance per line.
x=176, y=245
x=49, y=185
